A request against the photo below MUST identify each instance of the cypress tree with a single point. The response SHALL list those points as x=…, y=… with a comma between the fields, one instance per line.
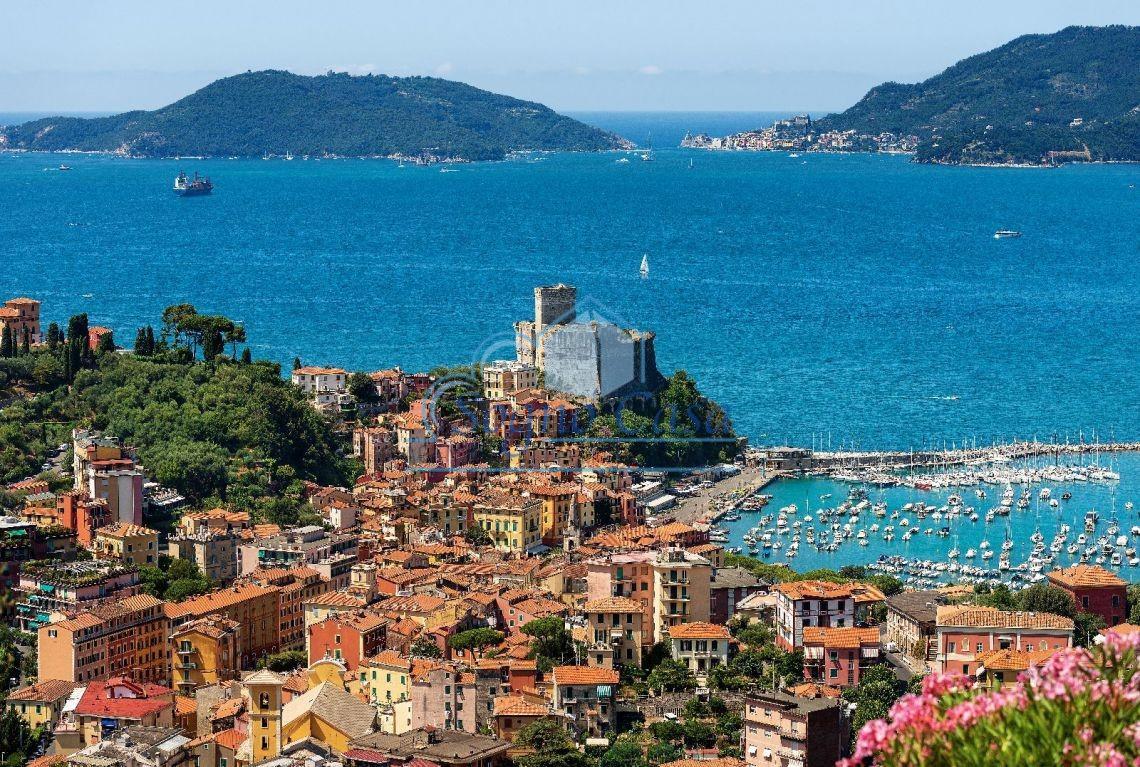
x=78, y=349
x=140, y=343
x=53, y=336
x=246, y=357
x=212, y=344
x=26, y=344
x=7, y=347
x=150, y=347
x=296, y=363
x=106, y=344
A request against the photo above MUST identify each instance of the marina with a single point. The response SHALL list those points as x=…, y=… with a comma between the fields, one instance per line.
x=995, y=523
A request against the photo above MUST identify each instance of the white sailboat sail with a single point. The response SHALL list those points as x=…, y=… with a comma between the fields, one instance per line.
x=645, y=265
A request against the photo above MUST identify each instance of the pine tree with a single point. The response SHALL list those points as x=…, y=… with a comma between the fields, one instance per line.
x=246, y=357
x=296, y=363
x=7, y=347
x=212, y=344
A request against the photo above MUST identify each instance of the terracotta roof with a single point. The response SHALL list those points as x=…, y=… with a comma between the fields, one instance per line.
x=422, y=603
x=231, y=739
x=699, y=630
x=125, y=530
x=814, y=590
x=217, y=600
x=227, y=708
x=45, y=691
x=1121, y=628
x=613, y=605
x=1085, y=576
x=1013, y=660
x=846, y=638
x=815, y=690
x=968, y=616
x=516, y=705
x=184, y=705
x=316, y=371
x=722, y=761
x=336, y=599
x=584, y=675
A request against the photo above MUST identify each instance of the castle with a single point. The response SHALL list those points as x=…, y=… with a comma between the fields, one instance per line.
x=593, y=358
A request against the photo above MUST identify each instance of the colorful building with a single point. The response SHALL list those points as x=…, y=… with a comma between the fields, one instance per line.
x=1094, y=590
x=963, y=632
x=123, y=636
x=206, y=651
x=838, y=656
x=126, y=542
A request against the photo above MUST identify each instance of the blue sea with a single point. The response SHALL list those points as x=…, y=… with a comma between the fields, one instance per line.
x=854, y=301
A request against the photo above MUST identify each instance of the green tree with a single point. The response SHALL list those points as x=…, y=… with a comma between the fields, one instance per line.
x=625, y=752
x=551, y=643
x=7, y=343
x=1047, y=598
x=140, y=343
x=106, y=344
x=1086, y=628
x=54, y=337
x=877, y=691
x=283, y=662
x=552, y=746
x=361, y=387
x=475, y=640
x=671, y=676
x=424, y=648
x=662, y=752
x=477, y=536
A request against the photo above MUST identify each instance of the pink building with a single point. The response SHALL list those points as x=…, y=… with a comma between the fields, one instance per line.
x=963, y=632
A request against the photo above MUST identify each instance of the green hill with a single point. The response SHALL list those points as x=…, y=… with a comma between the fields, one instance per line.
x=335, y=114
x=1078, y=88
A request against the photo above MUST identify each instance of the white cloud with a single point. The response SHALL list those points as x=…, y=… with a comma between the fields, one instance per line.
x=650, y=69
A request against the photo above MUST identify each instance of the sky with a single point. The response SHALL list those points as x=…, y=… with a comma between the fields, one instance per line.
x=574, y=55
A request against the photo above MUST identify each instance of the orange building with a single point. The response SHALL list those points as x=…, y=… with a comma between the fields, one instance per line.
x=256, y=608
x=127, y=636
x=22, y=317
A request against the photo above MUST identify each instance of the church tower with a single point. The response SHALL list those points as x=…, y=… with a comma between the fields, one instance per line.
x=264, y=690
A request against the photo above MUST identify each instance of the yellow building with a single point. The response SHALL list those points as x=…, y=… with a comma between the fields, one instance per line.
x=616, y=632
x=128, y=543
x=41, y=703
x=387, y=676
x=263, y=691
x=206, y=651
x=329, y=714
x=507, y=377
x=512, y=521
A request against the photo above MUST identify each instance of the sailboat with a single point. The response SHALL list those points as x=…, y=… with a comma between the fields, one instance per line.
x=647, y=155
x=645, y=266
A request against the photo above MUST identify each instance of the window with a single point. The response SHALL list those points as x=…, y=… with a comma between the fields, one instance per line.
x=1085, y=602
x=950, y=647
x=833, y=673
x=980, y=646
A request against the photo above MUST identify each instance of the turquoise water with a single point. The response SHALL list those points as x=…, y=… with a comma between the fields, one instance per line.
x=1105, y=498
x=860, y=299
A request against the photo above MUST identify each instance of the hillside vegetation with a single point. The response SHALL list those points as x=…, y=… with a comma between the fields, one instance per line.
x=278, y=112
x=1070, y=91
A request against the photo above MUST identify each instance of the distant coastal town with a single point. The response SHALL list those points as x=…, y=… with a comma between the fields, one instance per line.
x=797, y=134
x=512, y=561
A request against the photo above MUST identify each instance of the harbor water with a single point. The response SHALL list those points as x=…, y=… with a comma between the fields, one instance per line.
x=911, y=559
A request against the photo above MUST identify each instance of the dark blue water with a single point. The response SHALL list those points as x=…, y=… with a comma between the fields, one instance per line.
x=857, y=297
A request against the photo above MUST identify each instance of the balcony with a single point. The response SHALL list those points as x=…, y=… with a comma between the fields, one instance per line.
x=791, y=753
x=187, y=666
x=792, y=735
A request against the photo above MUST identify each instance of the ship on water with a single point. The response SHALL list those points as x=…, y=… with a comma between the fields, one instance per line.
x=184, y=186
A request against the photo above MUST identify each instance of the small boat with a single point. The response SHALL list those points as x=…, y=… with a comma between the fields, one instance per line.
x=793, y=155
x=645, y=265
x=1006, y=234
x=65, y=167
x=622, y=160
